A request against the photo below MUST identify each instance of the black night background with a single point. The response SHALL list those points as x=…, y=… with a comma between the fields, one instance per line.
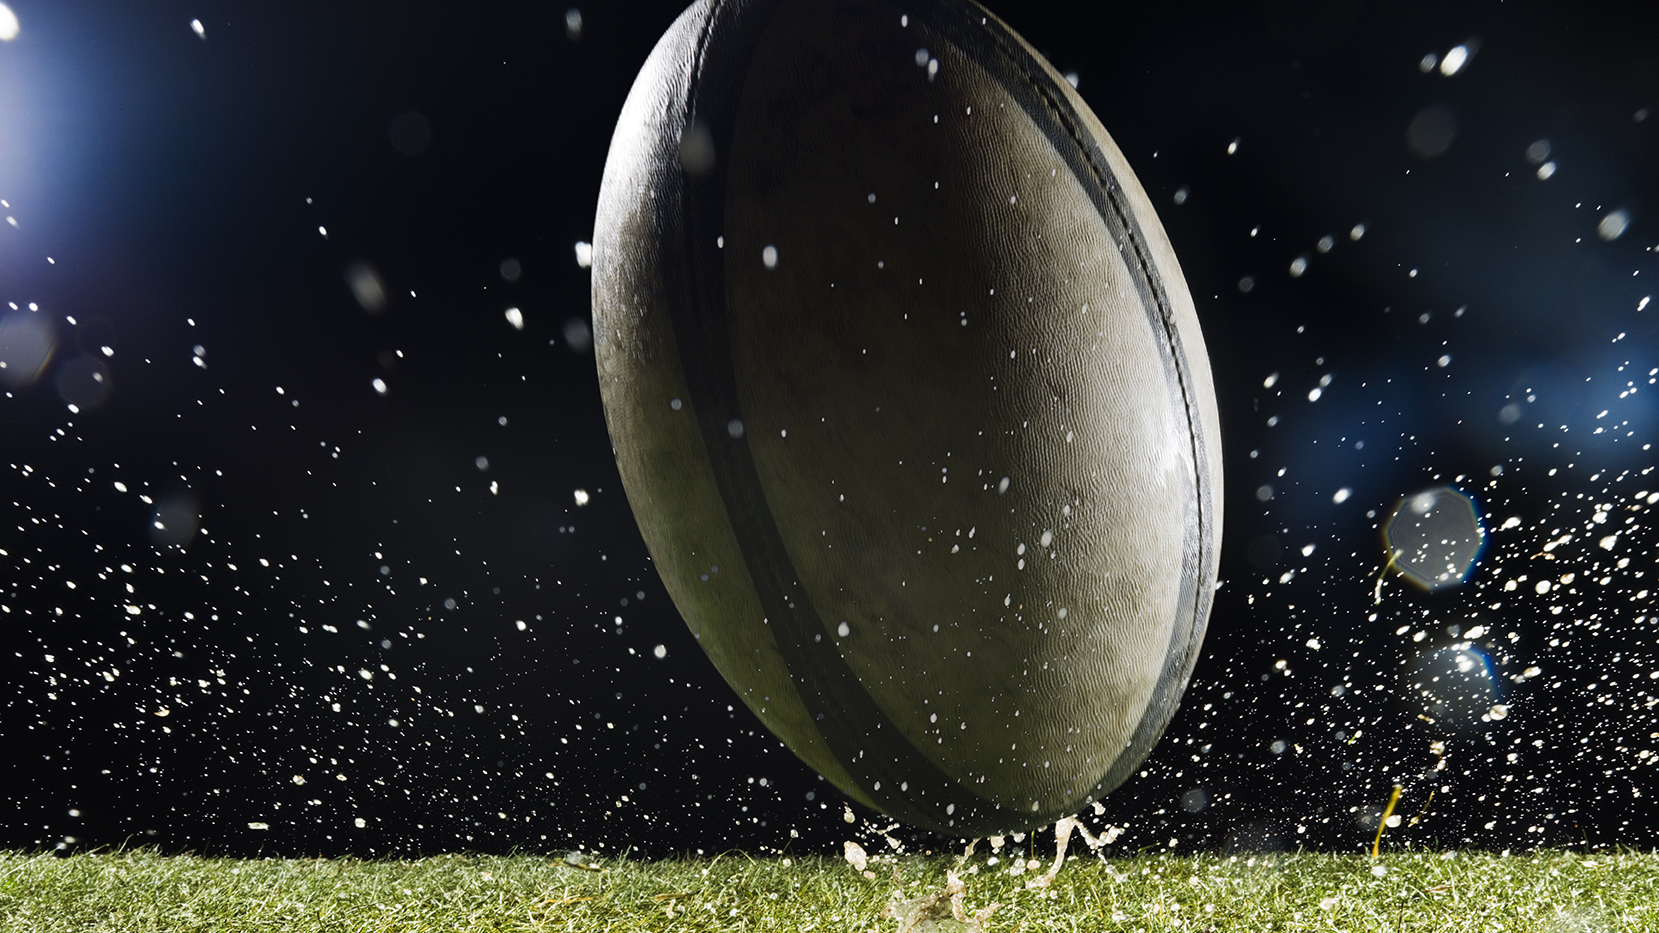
x=313, y=542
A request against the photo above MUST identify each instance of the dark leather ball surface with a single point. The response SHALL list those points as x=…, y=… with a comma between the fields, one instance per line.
x=910, y=401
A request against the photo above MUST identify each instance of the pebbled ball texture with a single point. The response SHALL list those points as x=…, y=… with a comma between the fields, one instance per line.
x=910, y=401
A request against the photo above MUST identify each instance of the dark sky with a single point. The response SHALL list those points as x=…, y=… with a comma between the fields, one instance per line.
x=393, y=628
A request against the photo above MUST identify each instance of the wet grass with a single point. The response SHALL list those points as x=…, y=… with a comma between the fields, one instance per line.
x=1436, y=892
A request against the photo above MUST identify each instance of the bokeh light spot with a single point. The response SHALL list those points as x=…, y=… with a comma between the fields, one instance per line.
x=1434, y=537
x=1454, y=60
x=1456, y=687
x=577, y=335
x=366, y=286
x=84, y=382
x=26, y=346
x=175, y=520
x=1430, y=133
x=1613, y=225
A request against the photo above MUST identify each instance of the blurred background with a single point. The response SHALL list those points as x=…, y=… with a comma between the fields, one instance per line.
x=313, y=542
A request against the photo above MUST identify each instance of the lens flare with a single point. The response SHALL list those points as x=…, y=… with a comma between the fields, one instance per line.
x=175, y=520
x=1434, y=537
x=1457, y=687
x=84, y=382
x=27, y=342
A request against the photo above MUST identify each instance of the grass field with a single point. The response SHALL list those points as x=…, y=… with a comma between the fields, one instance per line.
x=1436, y=892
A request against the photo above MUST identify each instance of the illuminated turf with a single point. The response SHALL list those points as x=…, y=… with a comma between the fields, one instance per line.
x=1431, y=891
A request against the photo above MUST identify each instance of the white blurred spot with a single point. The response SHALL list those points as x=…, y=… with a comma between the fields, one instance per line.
x=511, y=269
x=843, y=629
x=1454, y=60
x=577, y=334
x=1071, y=78
x=573, y=24
x=734, y=428
x=259, y=825
x=1232, y=147
x=360, y=822
x=8, y=24
x=696, y=149
x=1609, y=543
x=1427, y=63
x=1613, y=225
x=769, y=257
x=1314, y=394
x=1181, y=195
x=660, y=652
x=482, y=463
x=200, y=31
x=1246, y=284
x=1341, y=495
x=1444, y=361
x=582, y=497
x=515, y=317
x=1357, y=232
x=1642, y=305
x=1538, y=151
x=1325, y=244
x=1298, y=266
x=366, y=286
x=379, y=386
x=584, y=253
x=1271, y=380
x=1546, y=170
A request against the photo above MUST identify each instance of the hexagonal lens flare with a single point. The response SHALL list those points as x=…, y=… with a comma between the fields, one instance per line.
x=1434, y=537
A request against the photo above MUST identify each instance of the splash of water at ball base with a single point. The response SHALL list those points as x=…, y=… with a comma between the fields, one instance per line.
x=910, y=401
